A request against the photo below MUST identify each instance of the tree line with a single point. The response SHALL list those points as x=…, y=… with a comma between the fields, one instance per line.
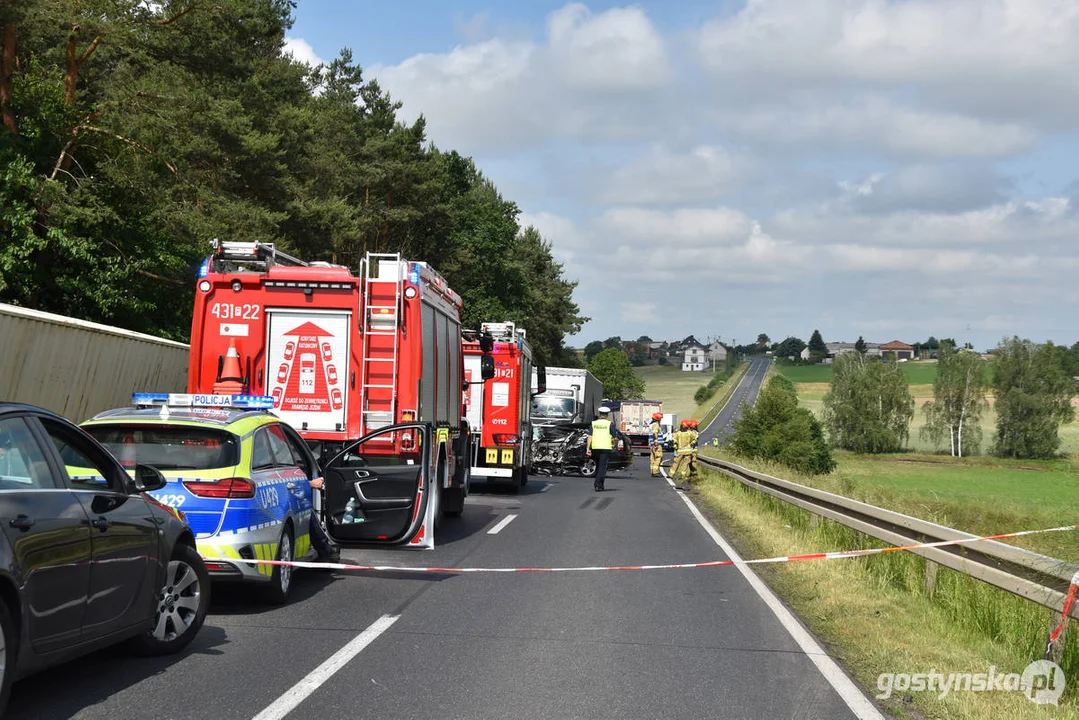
x=134, y=133
x=869, y=408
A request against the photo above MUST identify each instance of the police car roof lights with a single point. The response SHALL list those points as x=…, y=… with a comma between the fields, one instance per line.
x=243, y=402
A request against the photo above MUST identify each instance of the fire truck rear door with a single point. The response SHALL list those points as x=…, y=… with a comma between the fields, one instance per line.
x=307, y=366
x=387, y=476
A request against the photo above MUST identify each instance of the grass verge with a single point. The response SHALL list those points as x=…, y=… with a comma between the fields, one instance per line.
x=877, y=617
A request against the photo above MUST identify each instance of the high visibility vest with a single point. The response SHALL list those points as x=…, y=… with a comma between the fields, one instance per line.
x=654, y=432
x=601, y=435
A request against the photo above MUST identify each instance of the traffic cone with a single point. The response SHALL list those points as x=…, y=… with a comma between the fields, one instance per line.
x=230, y=382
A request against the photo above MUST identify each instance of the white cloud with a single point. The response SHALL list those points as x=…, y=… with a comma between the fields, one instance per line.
x=302, y=51
x=639, y=312
x=875, y=124
x=664, y=177
x=1008, y=58
x=586, y=81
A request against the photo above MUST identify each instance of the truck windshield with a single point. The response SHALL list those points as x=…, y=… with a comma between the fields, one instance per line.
x=169, y=447
x=554, y=407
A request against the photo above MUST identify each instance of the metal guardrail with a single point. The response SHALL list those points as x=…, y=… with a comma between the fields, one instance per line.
x=1039, y=578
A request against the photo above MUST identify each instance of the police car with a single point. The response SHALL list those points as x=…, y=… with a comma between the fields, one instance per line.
x=241, y=477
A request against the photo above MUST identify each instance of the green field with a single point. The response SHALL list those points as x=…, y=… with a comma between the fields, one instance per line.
x=673, y=387
x=918, y=373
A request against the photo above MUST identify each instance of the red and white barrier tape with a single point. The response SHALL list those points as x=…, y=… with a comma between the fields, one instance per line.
x=1069, y=600
x=673, y=566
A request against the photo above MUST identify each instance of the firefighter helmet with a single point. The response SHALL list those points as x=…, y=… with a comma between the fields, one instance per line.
x=657, y=416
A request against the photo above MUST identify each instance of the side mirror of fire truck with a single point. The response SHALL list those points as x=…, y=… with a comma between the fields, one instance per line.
x=487, y=367
x=487, y=344
x=541, y=380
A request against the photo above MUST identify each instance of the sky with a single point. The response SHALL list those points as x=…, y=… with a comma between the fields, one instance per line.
x=885, y=169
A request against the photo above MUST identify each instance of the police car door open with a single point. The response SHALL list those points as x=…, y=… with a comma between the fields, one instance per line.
x=307, y=367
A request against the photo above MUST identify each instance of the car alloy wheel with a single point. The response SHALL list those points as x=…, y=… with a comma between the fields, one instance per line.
x=588, y=469
x=178, y=602
x=285, y=554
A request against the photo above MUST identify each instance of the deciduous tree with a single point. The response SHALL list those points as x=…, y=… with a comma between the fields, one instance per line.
x=620, y=382
x=869, y=406
x=958, y=400
x=1033, y=399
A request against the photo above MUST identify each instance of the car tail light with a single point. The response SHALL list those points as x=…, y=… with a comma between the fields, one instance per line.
x=505, y=439
x=229, y=488
x=406, y=440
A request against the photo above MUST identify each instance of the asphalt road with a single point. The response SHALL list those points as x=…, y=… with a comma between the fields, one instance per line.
x=746, y=392
x=632, y=644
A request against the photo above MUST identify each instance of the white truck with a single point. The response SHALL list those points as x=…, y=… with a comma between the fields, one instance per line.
x=635, y=418
x=573, y=396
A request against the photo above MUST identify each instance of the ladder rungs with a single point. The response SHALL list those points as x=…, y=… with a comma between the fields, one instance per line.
x=378, y=387
x=379, y=332
x=380, y=360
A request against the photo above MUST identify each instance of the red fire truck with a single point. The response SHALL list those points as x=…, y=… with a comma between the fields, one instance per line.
x=368, y=368
x=499, y=411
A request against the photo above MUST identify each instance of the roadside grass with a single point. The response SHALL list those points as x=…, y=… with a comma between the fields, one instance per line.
x=673, y=387
x=876, y=614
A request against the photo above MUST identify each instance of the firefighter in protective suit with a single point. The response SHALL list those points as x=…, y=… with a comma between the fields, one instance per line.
x=655, y=442
x=693, y=455
x=682, y=449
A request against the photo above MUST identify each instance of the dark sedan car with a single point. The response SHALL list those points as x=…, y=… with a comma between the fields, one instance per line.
x=561, y=450
x=86, y=560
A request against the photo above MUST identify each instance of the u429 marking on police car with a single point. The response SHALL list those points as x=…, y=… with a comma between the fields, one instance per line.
x=268, y=497
x=170, y=500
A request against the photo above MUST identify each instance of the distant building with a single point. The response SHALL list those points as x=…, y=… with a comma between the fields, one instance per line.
x=901, y=349
x=717, y=353
x=694, y=358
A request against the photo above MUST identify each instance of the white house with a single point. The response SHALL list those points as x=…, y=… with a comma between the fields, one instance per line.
x=695, y=358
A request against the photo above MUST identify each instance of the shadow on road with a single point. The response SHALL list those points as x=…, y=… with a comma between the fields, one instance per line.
x=62, y=692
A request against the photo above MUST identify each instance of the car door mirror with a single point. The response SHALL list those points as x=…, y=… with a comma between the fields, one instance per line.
x=487, y=367
x=148, y=478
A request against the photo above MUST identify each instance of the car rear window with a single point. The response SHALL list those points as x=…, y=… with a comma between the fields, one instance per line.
x=169, y=447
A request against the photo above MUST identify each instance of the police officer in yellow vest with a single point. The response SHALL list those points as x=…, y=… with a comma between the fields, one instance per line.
x=600, y=442
x=655, y=442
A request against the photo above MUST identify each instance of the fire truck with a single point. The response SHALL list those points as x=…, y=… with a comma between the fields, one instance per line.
x=499, y=411
x=367, y=367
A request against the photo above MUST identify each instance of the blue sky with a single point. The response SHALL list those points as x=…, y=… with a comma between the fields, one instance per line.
x=886, y=169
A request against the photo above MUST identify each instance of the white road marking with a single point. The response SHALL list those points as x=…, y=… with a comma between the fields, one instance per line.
x=547, y=487
x=862, y=707
x=501, y=524
x=292, y=697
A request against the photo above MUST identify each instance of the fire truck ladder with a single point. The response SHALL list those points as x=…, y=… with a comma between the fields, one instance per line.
x=254, y=251
x=381, y=341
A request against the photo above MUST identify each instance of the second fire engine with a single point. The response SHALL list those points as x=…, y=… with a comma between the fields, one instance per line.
x=499, y=410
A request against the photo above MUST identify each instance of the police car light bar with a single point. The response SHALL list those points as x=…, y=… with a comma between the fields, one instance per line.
x=247, y=402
